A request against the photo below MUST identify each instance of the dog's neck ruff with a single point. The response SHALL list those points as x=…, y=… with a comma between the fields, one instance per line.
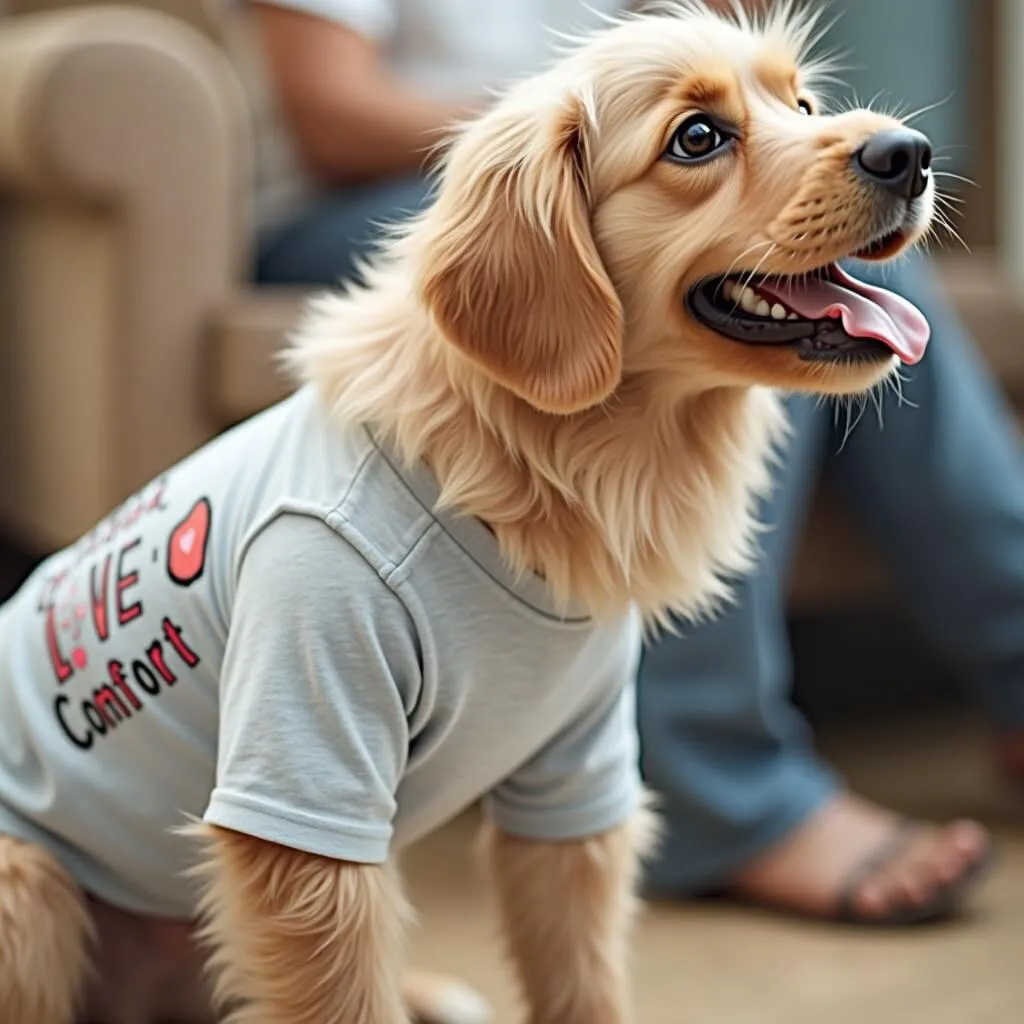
x=639, y=502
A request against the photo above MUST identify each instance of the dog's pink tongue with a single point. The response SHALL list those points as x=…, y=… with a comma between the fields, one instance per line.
x=866, y=311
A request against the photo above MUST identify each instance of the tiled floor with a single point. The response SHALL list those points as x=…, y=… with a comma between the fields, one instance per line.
x=717, y=965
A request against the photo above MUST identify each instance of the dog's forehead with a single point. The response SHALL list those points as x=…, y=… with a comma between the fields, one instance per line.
x=696, y=59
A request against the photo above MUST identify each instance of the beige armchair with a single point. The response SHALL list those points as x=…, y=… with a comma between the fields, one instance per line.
x=124, y=238
x=129, y=333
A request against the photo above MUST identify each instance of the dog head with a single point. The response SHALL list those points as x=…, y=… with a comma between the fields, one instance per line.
x=670, y=201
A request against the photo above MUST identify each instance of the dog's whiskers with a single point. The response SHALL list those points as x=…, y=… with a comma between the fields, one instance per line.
x=753, y=273
x=895, y=384
x=921, y=111
x=851, y=420
x=942, y=220
x=956, y=177
x=732, y=266
x=875, y=396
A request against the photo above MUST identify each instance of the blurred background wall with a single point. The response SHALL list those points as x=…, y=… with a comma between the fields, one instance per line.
x=919, y=53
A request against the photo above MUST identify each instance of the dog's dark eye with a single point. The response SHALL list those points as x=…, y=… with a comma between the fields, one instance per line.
x=696, y=138
x=805, y=107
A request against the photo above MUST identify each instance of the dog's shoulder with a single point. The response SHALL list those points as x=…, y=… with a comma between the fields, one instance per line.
x=386, y=509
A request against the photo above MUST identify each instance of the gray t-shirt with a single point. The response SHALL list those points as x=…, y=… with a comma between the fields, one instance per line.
x=281, y=637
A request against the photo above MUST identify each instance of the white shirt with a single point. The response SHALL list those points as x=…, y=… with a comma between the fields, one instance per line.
x=452, y=49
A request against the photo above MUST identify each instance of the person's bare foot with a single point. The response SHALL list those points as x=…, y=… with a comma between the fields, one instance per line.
x=810, y=870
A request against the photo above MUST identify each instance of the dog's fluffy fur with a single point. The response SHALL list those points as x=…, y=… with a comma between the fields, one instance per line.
x=527, y=338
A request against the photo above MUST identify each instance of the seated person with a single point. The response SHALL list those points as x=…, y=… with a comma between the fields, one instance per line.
x=360, y=92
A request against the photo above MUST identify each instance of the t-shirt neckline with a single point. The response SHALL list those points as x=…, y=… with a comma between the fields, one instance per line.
x=476, y=540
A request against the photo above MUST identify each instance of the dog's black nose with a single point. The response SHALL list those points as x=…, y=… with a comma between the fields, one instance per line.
x=899, y=160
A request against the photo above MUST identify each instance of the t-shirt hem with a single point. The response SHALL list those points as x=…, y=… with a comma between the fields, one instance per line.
x=553, y=824
x=337, y=840
x=92, y=877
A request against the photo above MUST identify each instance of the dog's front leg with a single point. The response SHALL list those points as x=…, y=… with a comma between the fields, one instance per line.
x=567, y=910
x=301, y=939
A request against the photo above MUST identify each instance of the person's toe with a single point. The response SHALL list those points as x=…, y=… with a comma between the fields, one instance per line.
x=969, y=839
x=873, y=899
x=934, y=860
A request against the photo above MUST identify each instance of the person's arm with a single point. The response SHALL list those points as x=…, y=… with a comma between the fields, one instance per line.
x=350, y=117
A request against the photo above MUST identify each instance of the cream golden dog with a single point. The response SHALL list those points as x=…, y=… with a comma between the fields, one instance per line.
x=582, y=338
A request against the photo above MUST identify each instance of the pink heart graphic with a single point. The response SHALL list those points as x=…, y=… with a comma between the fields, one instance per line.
x=186, y=547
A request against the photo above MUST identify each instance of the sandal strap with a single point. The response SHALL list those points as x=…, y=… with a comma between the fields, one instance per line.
x=894, y=846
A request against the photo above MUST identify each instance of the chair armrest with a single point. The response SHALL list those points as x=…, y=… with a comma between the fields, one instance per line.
x=247, y=338
x=124, y=141
x=95, y=100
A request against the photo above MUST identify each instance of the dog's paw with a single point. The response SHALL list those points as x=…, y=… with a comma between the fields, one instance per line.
x=436, y=999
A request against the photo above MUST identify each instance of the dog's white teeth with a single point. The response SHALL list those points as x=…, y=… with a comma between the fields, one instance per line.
x=750, y=302
x=792, y=316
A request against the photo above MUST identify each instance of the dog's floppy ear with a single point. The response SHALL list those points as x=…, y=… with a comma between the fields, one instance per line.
x=512, y=275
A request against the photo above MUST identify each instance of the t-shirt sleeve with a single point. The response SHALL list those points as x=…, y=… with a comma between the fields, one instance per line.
x=584, y=782
x=320, y=671
x=374, y=19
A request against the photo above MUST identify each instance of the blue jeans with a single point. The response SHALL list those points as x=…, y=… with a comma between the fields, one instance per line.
x=324, y=244
x=939, y=488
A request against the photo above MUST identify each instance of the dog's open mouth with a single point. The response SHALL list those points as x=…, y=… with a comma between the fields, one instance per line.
x=826, y=316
